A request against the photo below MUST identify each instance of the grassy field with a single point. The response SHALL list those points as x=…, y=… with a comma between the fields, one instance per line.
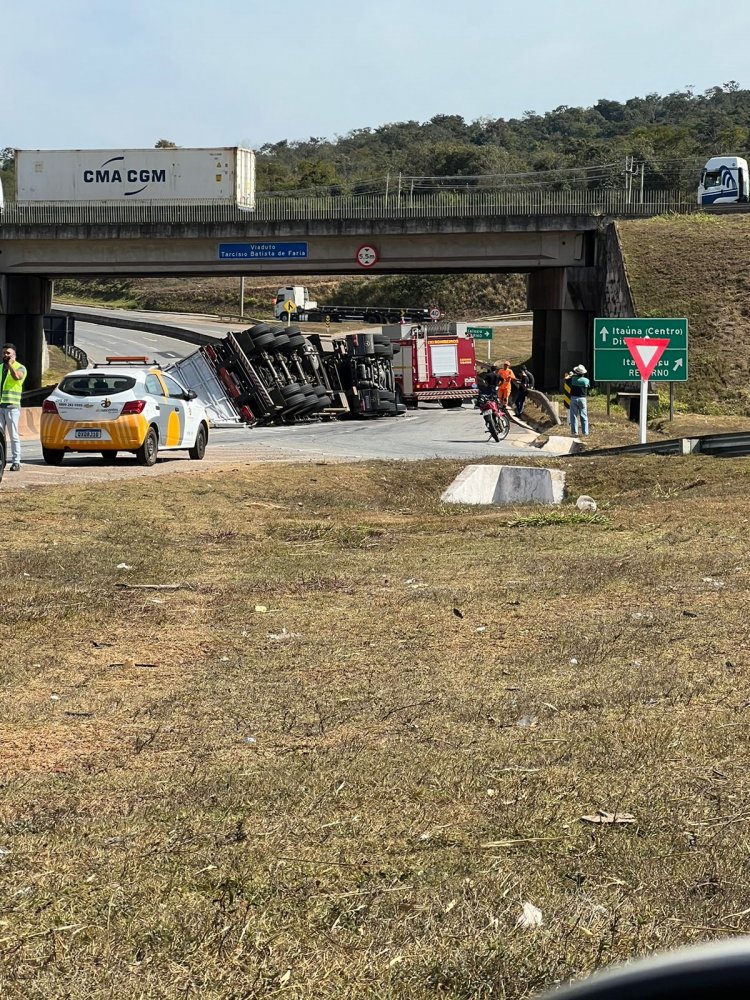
x=699, y=266
x=365, y=730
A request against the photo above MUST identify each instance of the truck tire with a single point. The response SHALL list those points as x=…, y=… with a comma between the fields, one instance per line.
x=258, y=329
x=281, y=341
x=384, y=350
x=296, y=340
x=246, y=342
x=264, y=341
x=290, y=390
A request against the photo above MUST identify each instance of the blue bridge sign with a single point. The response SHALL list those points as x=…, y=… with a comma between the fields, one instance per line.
x=262, y=251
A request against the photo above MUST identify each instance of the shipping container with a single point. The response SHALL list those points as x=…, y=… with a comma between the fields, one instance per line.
x=225, y=175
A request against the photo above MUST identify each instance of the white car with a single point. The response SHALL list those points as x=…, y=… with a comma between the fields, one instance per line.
x=124, y=405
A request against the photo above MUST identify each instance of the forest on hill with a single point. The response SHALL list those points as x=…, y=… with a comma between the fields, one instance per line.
x=671, y=135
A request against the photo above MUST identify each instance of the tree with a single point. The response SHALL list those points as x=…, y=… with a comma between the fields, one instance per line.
x=165, y=144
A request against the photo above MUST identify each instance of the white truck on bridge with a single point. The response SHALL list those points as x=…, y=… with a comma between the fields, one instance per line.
x=724, y=181
x=293, y=303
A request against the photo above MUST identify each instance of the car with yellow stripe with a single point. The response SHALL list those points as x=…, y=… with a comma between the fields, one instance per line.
x=125, y=405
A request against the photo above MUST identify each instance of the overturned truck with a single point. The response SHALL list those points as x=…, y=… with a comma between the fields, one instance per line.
x=272, y=374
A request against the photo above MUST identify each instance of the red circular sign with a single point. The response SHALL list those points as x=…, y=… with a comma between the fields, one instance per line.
x=367, y=255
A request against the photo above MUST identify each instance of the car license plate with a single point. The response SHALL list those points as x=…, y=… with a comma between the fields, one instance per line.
x=88, y=434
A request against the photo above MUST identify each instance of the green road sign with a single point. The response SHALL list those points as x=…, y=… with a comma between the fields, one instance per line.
x=613, y=361
x=479, y=332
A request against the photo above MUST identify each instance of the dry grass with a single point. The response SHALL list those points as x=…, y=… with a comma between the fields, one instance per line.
x=699, y=266
x=354, y=791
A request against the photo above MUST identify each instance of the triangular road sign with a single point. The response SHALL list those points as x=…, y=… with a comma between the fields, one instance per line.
x=646, y=352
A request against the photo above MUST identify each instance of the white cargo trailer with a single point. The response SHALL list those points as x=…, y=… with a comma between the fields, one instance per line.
x=222, y=175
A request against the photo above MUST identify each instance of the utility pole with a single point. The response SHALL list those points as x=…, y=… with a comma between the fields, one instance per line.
x=242, y=297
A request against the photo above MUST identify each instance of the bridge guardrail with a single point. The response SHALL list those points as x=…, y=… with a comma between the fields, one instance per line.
x=480, y=203
x=718, y=445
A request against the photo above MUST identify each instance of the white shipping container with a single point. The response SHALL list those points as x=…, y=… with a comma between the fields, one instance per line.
x=122, y=175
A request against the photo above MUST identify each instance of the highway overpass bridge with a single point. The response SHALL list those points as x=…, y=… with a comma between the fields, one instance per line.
x=571, y=259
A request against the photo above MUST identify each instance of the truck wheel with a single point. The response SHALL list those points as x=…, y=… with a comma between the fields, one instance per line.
x=384, y=350
x=258, y=329
x=199, y=448
x=148, y=451
x=290, y=390
x=296, y=340
x=246, y=342
x=53, y=456
x=280, y=341
x=264, y=340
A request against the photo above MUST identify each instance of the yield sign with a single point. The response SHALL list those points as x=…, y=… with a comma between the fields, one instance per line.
x=646, y=352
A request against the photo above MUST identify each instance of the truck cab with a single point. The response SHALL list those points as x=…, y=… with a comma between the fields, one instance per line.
x=724, y=181
x=298, y=295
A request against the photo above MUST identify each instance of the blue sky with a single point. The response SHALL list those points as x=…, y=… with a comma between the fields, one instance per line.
x=85, y=74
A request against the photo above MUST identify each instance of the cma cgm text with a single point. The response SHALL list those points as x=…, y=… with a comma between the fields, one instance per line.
x=118, y=176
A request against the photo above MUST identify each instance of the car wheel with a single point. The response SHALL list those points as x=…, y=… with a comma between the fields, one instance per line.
x=199, y=448
x=146, y=454
x=109, y=457
x=53, y=456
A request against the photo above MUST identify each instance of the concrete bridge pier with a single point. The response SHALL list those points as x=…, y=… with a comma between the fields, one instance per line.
x=24, y=300
x=563, y=300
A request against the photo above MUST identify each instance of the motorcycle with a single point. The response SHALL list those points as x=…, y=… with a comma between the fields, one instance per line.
x=495, y=417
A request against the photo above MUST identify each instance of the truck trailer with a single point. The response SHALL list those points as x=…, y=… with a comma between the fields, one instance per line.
x=436, y=363
x=294, y=302
x=222, y=175
x=270, y=374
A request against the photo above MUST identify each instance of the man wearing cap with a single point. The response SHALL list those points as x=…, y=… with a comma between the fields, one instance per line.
x=579, y=390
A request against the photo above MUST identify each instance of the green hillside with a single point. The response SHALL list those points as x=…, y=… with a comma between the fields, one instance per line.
x=699, y=266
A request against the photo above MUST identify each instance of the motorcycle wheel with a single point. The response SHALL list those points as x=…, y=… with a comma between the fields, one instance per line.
x=492, y=425
x=503, y=426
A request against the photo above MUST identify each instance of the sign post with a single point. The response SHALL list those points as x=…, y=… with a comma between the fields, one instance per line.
x=613, y=361
x=481, y=333
x=646, y=352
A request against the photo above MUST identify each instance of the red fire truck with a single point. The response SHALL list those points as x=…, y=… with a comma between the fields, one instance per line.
x=436, y=363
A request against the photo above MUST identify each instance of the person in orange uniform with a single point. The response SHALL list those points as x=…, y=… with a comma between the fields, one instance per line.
x=507, y=378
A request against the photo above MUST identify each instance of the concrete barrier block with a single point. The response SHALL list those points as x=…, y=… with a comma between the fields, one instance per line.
x=560, y=446
x=506, y=484
x=29, y=422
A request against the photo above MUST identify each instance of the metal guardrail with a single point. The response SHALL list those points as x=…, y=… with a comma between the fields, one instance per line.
x=725, y=445
x=477, y=204
x=77, y=354
x=717, y=445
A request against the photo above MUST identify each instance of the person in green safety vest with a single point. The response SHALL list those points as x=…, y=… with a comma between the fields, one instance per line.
x=12, y=377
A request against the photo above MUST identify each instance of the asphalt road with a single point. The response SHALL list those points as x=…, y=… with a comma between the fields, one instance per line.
x=429, y=432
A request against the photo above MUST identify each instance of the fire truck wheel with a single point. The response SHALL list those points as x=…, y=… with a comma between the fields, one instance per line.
x=451, y=404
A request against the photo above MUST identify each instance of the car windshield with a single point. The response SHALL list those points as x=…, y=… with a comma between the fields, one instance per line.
x=96, y=384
